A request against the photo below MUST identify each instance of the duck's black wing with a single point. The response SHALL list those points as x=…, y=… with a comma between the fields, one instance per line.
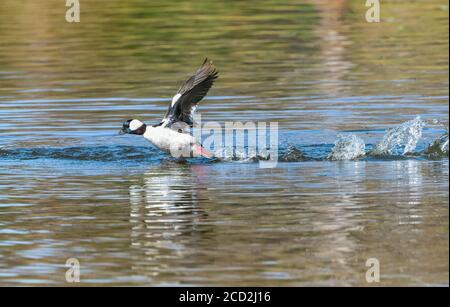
x=184, y=103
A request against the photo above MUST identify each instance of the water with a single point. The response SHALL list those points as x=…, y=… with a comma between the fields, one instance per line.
x=71, y=188
x=400, y=140
x=348, y=147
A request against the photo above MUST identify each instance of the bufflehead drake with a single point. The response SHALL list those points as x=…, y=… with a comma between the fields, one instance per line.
x=169, y=135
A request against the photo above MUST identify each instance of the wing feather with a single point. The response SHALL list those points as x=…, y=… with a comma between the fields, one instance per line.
x=190, y=94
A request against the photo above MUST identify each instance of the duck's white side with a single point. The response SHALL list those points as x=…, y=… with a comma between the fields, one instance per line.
x=169, y=140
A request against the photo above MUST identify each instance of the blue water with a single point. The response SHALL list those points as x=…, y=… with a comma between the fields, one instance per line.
x=70, y=187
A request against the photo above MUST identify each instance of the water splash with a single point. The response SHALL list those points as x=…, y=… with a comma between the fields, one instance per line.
x=347, y=147
x=438, y=148
x=242, y=155
x=400, y=140
x=293, y=154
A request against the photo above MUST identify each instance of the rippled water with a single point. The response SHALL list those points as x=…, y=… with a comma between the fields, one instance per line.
x=340, y=89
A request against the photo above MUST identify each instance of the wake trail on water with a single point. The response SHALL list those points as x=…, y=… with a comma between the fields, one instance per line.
x=399, y=142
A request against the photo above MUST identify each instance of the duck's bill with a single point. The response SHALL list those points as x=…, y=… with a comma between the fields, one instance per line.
x=122, y=132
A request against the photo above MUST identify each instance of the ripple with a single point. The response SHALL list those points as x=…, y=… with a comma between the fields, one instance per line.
x=100, y=153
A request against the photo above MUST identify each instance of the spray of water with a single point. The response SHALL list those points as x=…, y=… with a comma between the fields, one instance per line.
x=438, y=148
x=293, y=154
x=242, y=155
x=400, y=140
x=347, y=147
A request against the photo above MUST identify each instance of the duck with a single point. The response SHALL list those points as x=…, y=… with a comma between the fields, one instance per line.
x=171, y=134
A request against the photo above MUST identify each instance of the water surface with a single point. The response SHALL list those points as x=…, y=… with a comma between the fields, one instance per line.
x=71, y=188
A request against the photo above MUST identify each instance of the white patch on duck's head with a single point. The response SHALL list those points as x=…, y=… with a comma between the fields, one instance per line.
x=135, y=124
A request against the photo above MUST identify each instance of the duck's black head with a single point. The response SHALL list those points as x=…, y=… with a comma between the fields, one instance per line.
x=133, y=126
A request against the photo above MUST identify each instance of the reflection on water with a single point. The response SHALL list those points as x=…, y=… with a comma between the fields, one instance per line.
x=70, y=187
x=217, y=225
x=334, y=46
x=309, y=223
x=164, y=218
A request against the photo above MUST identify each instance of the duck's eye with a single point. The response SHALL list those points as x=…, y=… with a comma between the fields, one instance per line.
x=180, y=130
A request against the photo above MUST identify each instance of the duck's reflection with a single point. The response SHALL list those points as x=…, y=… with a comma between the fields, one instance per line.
x=164, y=216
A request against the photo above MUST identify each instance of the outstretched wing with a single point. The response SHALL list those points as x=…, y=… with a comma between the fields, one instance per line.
x=190, y=93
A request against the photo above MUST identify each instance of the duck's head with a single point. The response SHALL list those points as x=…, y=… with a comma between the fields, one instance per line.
x=133, y=126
